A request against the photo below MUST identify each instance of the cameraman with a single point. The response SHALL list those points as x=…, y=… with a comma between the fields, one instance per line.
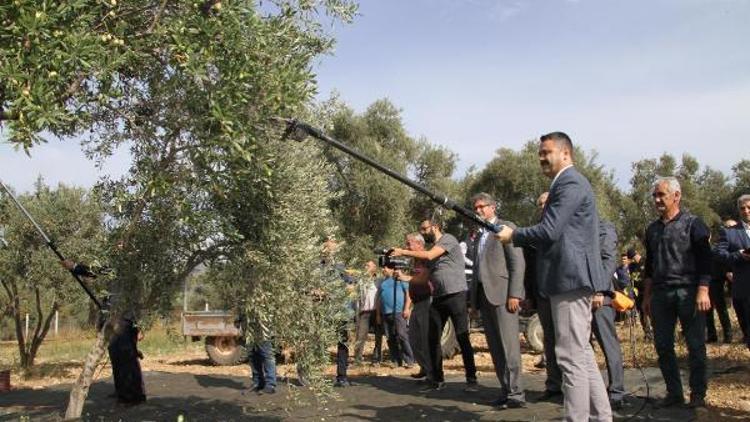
x=420, y=295
x=446, y=272
x=393, y=307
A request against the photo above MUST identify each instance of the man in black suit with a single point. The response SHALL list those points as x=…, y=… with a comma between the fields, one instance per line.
x=734, y=249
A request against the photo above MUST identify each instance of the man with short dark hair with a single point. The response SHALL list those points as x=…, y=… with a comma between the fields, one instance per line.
x=569, y=272
x=446, y=265
x=676, y=278
x=496, y=291
x=734, y=249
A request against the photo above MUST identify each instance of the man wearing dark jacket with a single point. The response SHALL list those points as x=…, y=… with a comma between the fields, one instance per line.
x=603, y=322
x=569, y=272
x=734, y=249
x=676, y=278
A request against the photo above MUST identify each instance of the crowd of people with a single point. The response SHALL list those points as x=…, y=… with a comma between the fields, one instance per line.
x=568, y=267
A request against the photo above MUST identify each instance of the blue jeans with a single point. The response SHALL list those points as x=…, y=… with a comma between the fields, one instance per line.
x=668, y=305
x=263, y=365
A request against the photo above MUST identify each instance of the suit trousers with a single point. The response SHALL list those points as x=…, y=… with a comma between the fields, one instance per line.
x=583, y=387
x=501, y=331
x=553, y=383
x=451, y=306
x=718, y=306
x=603, y=326
x=742, y=309
x=419, y=325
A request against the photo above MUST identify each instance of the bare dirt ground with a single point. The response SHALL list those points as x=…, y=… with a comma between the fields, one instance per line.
x=185, y=383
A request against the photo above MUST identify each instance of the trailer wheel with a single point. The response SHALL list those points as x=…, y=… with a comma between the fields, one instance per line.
x=448, y=342
x=225, y=351
x=534, y=333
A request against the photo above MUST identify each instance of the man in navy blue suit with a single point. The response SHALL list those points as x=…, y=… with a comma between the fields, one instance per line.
x=569, y=272
x=734, y=250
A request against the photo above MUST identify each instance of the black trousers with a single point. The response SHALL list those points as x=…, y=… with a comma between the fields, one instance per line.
x=451, y=306
x=718, y=304
x=742, y=309
x=342, y=352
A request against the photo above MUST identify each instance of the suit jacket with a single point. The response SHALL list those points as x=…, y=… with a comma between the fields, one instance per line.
x=500, y=268
x=567, y=238
x=731, y=242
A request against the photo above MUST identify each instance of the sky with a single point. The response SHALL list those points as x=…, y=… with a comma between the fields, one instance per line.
x=627, y=79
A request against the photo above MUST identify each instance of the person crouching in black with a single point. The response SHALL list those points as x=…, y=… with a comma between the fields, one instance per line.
x=123, y=348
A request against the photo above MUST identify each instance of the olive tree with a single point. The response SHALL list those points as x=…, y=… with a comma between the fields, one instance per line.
x=188, y=88
x=32, y=280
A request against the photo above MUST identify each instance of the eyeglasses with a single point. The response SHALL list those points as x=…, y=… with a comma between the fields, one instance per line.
x=424, y=228
x=479, y=207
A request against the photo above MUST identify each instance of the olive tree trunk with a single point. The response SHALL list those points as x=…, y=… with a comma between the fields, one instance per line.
x=81, y=388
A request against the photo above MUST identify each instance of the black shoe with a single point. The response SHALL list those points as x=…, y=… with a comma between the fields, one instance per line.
x=269, y=389
x=472, y=386
x=499, y=402
x=670, y=401
x=418, y=375
x=512, y=404
x=253, y=389
x=342, y=383
x=433, y=386
x=617, y=404
x=550, y=395
x=697, y=402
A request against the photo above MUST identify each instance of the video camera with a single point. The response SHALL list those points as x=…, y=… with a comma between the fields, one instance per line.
x=385, y=260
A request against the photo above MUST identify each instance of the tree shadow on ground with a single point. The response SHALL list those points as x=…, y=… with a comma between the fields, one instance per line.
x=208, y=381
x=49, y=405
x=411, y=412
x=191, y=362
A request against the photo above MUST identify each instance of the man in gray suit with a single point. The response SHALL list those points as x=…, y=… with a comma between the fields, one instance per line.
x=496, y=291
x=603, y=323
x=569, y=272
